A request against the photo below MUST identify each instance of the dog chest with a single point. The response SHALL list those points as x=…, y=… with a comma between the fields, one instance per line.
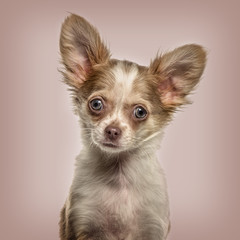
x=120, y=210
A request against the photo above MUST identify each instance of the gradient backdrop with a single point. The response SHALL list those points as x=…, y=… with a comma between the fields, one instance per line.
x=40, y=136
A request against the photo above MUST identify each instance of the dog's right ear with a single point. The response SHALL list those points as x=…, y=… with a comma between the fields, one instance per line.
x=178, y=72
x=81, y=48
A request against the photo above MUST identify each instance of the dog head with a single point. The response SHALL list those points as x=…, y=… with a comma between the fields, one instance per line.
x=123, y=106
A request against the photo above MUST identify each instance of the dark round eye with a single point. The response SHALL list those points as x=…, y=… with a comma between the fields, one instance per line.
x=140, y=112
x=96, y=104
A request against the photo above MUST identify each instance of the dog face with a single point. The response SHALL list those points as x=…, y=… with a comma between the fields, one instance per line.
x=119, y=113
x=123, y=106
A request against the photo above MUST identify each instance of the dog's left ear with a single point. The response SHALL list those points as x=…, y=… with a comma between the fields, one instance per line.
x=177, y=73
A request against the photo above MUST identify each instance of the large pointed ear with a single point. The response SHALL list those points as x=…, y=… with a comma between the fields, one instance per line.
x=177, y=73
x=81, y=48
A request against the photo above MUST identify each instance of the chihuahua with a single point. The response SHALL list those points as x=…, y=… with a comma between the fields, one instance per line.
x=119, y=189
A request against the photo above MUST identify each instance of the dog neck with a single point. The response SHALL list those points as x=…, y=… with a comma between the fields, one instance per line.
x=124, y=168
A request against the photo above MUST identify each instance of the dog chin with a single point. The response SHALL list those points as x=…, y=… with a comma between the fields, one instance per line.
x=109, y=147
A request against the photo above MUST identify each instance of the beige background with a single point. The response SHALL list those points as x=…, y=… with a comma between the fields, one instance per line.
x=40, y=136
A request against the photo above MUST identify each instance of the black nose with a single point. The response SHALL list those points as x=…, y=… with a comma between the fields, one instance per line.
x=112, y=133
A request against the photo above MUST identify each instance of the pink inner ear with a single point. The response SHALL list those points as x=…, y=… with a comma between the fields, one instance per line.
x=166, y=84
x=79, y=74
x=80, y=67
x=84, y=63
x=170, y=91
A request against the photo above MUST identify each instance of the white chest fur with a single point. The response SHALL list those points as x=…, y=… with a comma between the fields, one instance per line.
x=116, y=202
x=121, y=202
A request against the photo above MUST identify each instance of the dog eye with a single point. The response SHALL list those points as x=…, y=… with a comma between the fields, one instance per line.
x=96, y=104
x=140, y=112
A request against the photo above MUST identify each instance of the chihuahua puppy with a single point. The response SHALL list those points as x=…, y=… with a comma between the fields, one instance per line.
x=119, y=190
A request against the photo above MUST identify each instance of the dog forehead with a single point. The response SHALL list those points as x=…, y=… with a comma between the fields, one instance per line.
x=125, y=73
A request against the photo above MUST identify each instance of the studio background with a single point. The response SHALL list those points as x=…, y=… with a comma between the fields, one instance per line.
x=40, y=136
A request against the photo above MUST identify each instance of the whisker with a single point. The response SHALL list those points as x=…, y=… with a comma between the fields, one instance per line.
x=151, y=136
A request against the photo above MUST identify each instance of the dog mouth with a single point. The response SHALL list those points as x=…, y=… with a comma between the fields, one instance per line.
x=110, y=145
